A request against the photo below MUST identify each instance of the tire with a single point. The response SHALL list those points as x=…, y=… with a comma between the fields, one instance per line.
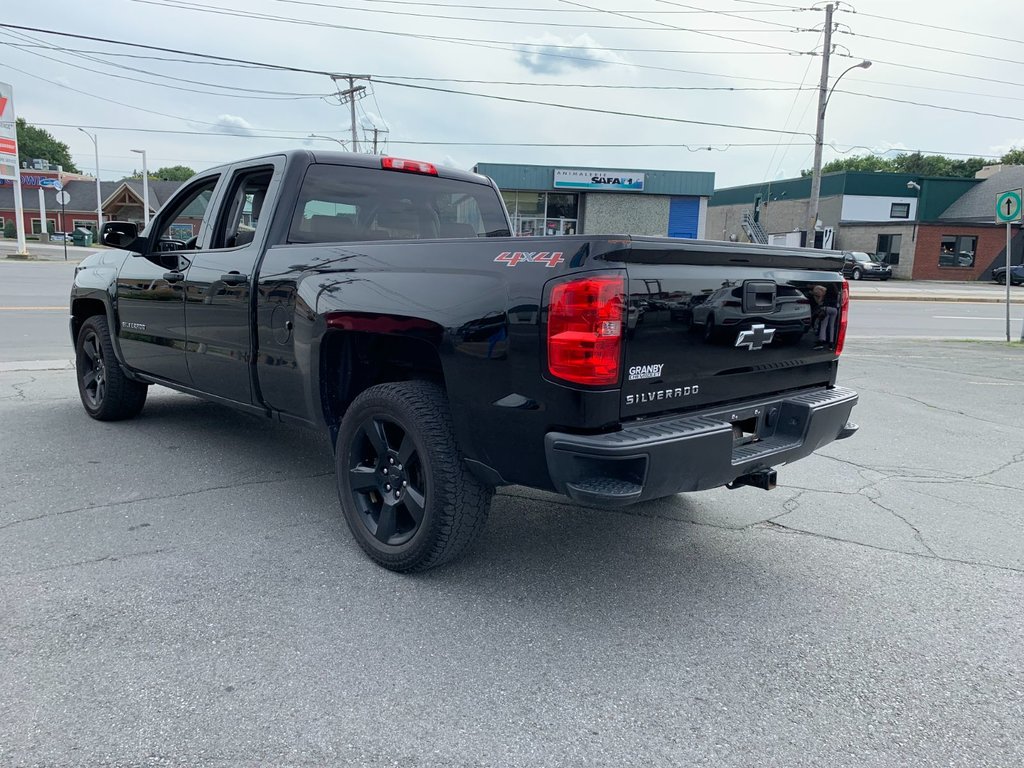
x=106, y=391
x=406, y=494
x=1000, y=279
x=856, y=274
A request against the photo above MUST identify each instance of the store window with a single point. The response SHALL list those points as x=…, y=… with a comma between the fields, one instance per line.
x=957, y=251
x=543, y=213
x=84, y=224
x=899, y=211
x=888, y=250
x=37, y=226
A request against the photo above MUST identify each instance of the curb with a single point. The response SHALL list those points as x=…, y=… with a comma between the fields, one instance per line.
x=944, y=299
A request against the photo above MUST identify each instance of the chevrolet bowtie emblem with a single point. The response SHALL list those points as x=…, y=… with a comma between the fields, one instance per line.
x=756, y=337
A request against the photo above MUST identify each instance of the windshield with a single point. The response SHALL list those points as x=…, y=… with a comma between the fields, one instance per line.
x=864, y=257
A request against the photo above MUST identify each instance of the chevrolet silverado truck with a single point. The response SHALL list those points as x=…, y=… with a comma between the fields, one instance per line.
x=384, y=302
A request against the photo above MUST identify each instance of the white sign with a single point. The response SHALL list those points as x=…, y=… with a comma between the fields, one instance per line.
x=8, y=134
x=615, y=181
x=52, y=183
x=63, y=197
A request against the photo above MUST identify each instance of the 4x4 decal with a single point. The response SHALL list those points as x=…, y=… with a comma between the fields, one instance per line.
x=512, y=258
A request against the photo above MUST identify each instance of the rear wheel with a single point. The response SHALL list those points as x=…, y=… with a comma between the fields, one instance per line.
x=106, y=391
x=1001, y=279
x=856, y=274
x=407, y=496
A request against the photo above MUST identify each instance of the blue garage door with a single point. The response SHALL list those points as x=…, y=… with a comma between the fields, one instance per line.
x=683, y=216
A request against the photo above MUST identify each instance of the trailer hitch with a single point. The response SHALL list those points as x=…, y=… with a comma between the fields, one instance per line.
x=764, y=479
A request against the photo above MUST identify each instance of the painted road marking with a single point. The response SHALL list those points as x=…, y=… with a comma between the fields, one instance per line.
x=33, y=309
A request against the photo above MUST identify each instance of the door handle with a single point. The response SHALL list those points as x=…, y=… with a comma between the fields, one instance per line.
x=234, y=278
x=174, y=277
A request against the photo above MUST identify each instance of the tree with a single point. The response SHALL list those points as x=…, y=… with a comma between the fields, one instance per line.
x=36, y=143
x=168, y=173
x=10, y=228
x=1014, y=157
x=912, y=162
x=174, y=173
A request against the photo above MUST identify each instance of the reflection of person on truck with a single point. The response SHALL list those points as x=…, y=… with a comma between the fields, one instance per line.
x=823, y=317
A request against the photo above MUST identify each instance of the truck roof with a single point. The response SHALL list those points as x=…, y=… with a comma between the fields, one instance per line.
x=357, y=159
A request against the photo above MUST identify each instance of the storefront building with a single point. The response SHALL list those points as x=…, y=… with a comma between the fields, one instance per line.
x=563, y=200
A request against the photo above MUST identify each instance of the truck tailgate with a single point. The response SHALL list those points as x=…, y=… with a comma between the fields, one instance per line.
x=710, y=324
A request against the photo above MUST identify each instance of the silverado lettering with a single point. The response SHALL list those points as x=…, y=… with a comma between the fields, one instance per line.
x=360, y=296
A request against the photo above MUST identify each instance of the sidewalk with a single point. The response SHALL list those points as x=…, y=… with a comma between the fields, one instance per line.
x=934, y=290
x=43, y=251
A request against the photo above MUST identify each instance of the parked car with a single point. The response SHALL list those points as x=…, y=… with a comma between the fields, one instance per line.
x=858, y=265
x=1016, y=275
x=60, y=237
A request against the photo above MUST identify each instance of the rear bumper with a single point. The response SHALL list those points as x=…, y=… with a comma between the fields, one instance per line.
x=660, y=457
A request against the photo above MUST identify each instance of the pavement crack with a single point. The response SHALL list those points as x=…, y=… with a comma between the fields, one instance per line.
x=162, y=496
x=770, y=525
x=94, y=561
x=918, y=536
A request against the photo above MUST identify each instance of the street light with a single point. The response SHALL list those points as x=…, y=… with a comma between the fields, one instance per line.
x=99, y=195
x=329, y=138
x=145, y=187
x=819, y=141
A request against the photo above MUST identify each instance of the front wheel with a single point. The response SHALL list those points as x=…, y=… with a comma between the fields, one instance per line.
x=406, y=493
x=856, y=274
x=106, y=391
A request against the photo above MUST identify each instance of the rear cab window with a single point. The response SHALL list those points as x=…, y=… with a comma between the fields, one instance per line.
x=339, y=203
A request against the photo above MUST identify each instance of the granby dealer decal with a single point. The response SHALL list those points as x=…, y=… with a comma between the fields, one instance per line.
x=511, y=259
x=638, y=372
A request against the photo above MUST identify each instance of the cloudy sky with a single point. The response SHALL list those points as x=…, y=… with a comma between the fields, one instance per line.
x=710, y=85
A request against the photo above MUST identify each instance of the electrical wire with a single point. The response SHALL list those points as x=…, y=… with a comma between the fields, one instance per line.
x=918, y=23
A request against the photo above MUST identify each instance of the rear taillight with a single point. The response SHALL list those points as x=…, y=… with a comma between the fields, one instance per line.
x=844, y=317
x=585, y=319
x=409, y=166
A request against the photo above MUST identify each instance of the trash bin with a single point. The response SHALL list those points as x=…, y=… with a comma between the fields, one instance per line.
x=81, y=236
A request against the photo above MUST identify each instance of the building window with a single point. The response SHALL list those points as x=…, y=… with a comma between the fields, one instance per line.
x=957, y=251
x=543, y=213
x=899, y=211
x=84, y=224
x=888, y=249
x=37, y=226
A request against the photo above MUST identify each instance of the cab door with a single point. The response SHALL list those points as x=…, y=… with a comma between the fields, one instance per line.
x=218, y=284
x=150, y=285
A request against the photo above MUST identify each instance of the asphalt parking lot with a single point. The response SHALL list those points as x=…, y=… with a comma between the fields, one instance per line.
x=181, y=590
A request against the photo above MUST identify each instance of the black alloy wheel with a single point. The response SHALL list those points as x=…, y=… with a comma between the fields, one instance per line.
x=106, y=391
x=92, y=370
x=385, y=475
x=406, y=493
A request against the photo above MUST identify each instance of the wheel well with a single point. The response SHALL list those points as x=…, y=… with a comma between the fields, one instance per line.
x=351, y=362
x=82, y=310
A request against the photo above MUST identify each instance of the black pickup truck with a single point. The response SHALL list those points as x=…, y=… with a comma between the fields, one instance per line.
x=384, y=301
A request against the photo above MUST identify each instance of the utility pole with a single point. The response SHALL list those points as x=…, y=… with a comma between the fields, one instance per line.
x=376, y=134
x=349, y=96
x=819, y=135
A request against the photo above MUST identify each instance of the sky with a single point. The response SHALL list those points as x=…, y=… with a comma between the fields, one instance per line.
x=728, y=86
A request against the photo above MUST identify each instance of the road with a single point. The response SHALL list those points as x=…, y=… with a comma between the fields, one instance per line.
x=181, y=590
x=933, y=319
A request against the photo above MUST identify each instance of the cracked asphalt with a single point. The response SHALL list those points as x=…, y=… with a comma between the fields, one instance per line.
x=181, y=590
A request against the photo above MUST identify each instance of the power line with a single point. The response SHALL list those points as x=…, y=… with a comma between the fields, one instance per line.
x=933, y=48
x=251, y=92
x=223, y=11
x=696, y=147
x=932, y=106
x=663, y=25
x=591, y=109
x=516, y=8
x=917, y=23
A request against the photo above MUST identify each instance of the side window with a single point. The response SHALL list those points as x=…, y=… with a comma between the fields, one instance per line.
x=241, y=215
x=179, y=227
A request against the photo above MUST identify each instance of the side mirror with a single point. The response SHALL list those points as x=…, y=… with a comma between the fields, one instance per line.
x=119, y=234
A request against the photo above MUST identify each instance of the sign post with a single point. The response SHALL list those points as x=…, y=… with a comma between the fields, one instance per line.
x=1008, y=210
x=9, y=159
x=64, y=198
